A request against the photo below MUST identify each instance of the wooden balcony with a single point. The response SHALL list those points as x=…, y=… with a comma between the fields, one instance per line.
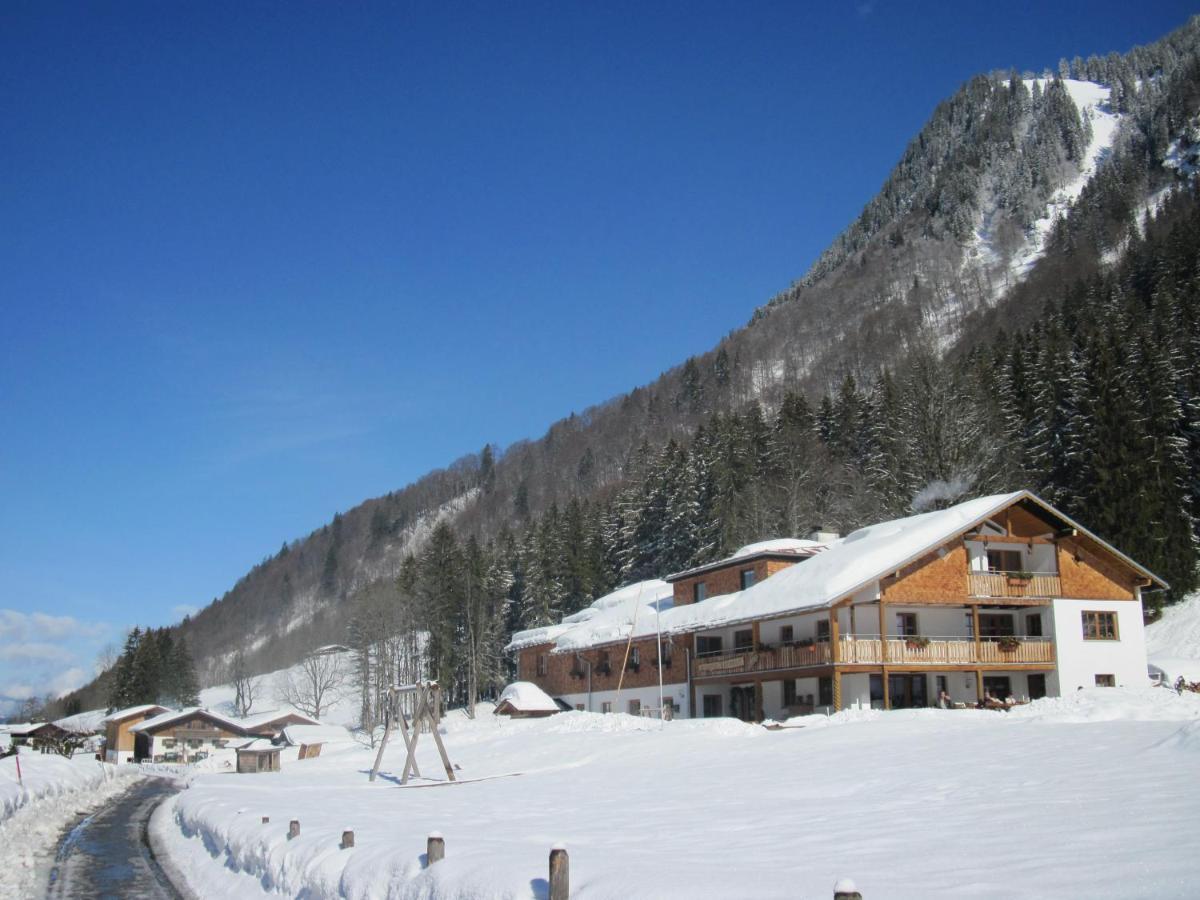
x=951, y=651
x=738, y=662
x=948, y=651
x=1014, y=584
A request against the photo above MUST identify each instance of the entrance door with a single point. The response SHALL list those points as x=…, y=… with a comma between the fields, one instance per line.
x=907, y=691
x=1037, y=686
x=741, y=702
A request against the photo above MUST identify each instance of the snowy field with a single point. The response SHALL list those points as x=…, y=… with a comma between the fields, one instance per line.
x=32, y=815
x=1086, y=796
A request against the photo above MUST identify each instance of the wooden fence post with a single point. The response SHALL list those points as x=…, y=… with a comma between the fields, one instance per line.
x=560, y=873
x=435, y=848
x=845, y=889
x=266, y=820
x=293, y=829
x=347, y=839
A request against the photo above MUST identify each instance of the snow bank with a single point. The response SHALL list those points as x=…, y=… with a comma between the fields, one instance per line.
x=698, y=808
x=55, y=792
x=1131, y=704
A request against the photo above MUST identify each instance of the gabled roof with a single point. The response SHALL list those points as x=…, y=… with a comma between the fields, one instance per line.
x=608, y=619
x=294, y=735
x=89, y=722
x=167, y=718
x=525, y=696
x=794, y=549
x=250, y=723
x=120, y=715
x=845, y=567
x=856, y=561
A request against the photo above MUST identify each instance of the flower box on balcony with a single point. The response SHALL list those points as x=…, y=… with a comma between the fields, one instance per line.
x=1008, y=644
x=916, y=643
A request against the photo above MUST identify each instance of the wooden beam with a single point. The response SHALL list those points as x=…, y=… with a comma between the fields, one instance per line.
x=837, y=690
x=1008, y=539
x=887, y=694
x=975, y=629
x=882, y=632
x=979, y=684
x=834, y=635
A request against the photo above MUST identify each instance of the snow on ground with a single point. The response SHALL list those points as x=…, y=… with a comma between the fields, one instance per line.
x=1071, y=797
x=55, y=792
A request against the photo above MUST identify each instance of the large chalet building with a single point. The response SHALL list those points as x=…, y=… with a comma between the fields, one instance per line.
x=995, y=600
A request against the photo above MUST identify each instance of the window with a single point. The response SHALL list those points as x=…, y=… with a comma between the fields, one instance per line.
x=195, y=743
x=543, y=663
x=1099, y=626
x=786, y=634
x=168, y=743
x=635, y=707
x=825, y=691
x=579, y=707
x=743, y=640
x=992, y=625
x=577, y=670
x=699, y=591
x=603, y=667
x=747, y=578
x=789, y=692
x=1037, y=687
x=606, y=706
x=707, y=644
x=906, y=624
x=1033, y=625
x=1004, y=561
x=1106, y=681
x=712, y=706
x=635, y=659
x=666, y=654
x=823, y=630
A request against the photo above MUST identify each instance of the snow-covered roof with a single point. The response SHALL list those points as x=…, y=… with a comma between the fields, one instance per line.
x=294, y=735
x=608, y=619
x=258, y=745
x=525, y=696
x=168, y=717
x=786, y=547
x=267, y=718
x=119, y=715
x=777, y=545
x=88, y=722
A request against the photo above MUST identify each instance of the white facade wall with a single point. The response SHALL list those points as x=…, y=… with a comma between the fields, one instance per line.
x=1080, y=661
x=648, y=696
x=118, y=756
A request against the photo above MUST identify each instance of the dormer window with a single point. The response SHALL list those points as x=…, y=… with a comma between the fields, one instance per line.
x=699, y=591
x=747, y=578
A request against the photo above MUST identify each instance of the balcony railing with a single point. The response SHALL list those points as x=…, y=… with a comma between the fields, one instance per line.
x=942, y=651
x=1015, y=584
x=947, y=651
x=736, y=662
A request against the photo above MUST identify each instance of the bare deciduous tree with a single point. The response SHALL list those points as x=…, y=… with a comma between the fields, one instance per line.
x=245, y=686
x=314, y=684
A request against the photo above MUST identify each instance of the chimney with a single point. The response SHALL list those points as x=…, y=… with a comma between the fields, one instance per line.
x=823, y=534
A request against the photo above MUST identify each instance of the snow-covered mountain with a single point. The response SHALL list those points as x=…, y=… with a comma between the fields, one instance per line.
x=1018, y=182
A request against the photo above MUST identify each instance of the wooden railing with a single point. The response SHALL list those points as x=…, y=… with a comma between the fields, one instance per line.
x=946, y=651
x=1015, y=584
x=737, y=662
x=900, y=651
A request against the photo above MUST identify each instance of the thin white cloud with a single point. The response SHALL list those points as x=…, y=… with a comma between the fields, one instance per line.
x=35, y=652
x=67, y=681
x=20, y=626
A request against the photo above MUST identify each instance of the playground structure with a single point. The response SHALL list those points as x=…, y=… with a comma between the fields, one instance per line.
x=427, y=705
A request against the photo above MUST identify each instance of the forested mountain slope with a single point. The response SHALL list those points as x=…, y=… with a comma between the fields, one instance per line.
x=1016, y=307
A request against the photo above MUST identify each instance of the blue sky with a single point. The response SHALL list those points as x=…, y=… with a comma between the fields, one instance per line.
x=263, y=261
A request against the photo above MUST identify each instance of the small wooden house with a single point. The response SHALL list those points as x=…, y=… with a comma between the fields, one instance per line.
x=525, y=700
x=258, y=755
x=118, y=734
